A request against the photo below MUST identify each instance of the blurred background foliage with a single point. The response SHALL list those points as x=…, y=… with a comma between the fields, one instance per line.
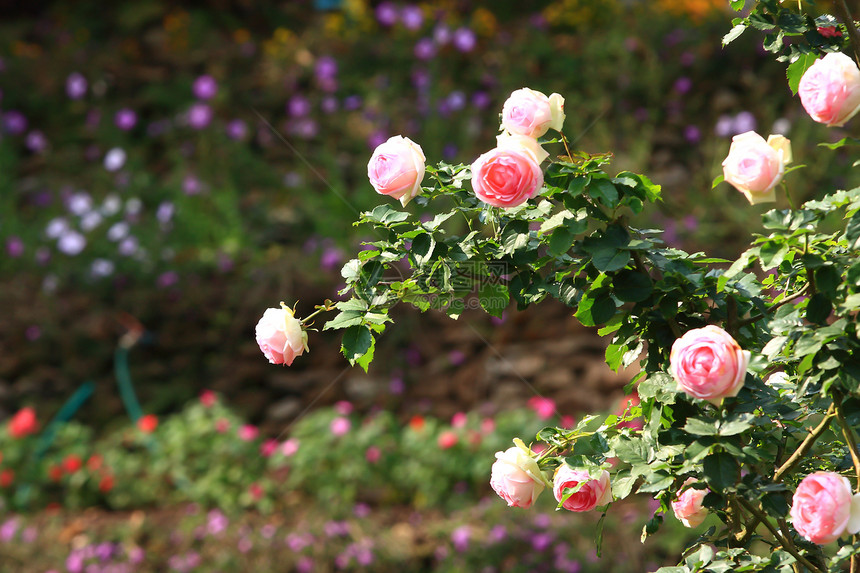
x=170, y=169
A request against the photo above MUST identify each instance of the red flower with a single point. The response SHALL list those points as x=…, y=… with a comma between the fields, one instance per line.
x=416, y=423
x=55, y=473
x=95, y=462
x=106, y=484
x=147, y=424
x=208, y=398
x=830, y=31
x=72, y=463
x=6, y=478
x=447, y=440
x=23, y=423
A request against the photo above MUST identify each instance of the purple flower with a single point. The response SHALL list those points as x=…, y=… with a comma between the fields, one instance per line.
x=364, y=556
x=125, y=119
x=199, y=115
x=412, y=17
x=76, y=86
x=167, y=279
x=36, y=141
x=191, y=185
x=351, y=103
x=165, y=212
x=297, y=542
x=386, y=14
x=688, y=59
x=136, y=555
x=32, y=333
x=94, y=118
x=376, y=139
x=542, y=520
x=79, y=203
x=325, y=68
x=425, y=49
x=336, y=528
x=237, y=130
x=541, y=541
x=744, y=122
x=216, y=522
x=114, y=159
x=71, y=243
x=498, y=534
x=298, y=106
x=306, y=128
x=723, y=128
x=90, y=221
x=465, y=40
x=692, y=134
x=104, y=551
x=75, y=562
x=449, y=152
x=101, y=268
x=361, y=510
x=781, y=126
x=245, y=545
x=14, y=122
x=683, y=85
x=128, y=246
x=268, y=531
x=460, y=538
x=15, y=247
x=117, y=231
x=158, y=127
x=442, y=34
x=305, y=565
x=396, y=386
x=9, y=529
x=480, y=100
x=456, y=100
x=328, y=104
x=205, y=87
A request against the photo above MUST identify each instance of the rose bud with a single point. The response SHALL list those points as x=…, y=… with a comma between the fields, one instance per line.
x=280, y=335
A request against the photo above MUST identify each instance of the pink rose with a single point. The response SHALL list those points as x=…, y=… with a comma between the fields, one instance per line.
x=340, y=426
x=280, y=335
x=506, y=177
x=688, y=505
x=823, y=508
x=755, y=166
x=516, y=477
x=708, y=364
x=396, y=168
x=290, y=447
x=830, y=89
x=531, y=113
x=591, y=493
x=248, y=433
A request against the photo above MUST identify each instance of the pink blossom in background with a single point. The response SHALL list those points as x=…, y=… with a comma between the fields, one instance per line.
x=290, y=447
x=268, y=447
x=372, y=454
x=458, y=420
x=247, y=432
x=208, y=398
x=343, y=407
x=447, y=440
x=543, y=407
x=222, y=425
x=340, y=426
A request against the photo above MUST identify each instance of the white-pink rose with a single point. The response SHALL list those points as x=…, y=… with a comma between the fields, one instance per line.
x=591, y=492
x=823, y=508
x=708, y=364
x=531, y=113
x=688, y=505
x=524, y=143
x=506, y=177
x=516, y=477
x=755, y=166
x=396, y=168
x=280, y=335
x=830, y=89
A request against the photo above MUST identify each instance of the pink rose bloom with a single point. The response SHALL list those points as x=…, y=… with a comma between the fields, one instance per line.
x=372, y=454
x=506, y=177
x=755, y=166
x=688, y=505
x=591, y=493
x=531, y=113
x=280, y=335
x=830, y=90
x=268, y=448
x=396, y=168
x=708, y=364
x=447, y=440
x=823, y=508
x=543, y=407
x=340, y=426
x=247, y=432
x=516, y=477
x=290, y=447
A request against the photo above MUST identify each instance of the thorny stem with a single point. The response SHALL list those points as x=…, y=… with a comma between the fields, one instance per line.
x=786, y=300
x=785, y=544
x=845, y=15
x=805, y=445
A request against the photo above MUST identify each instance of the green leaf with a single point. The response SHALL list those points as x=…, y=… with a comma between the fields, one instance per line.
x=717, y=180
x=818, y=308
x=631, y=286
x=598, y=535
x=734, y=34
x=357, y=341
x=852, y=232
x=597, y=310
x=560, y=241
x=796, y=70
x=721, y=470
x=841, y=143
x=608, y=259
x=422, y=248
x=604, y=191
x=701, y=427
